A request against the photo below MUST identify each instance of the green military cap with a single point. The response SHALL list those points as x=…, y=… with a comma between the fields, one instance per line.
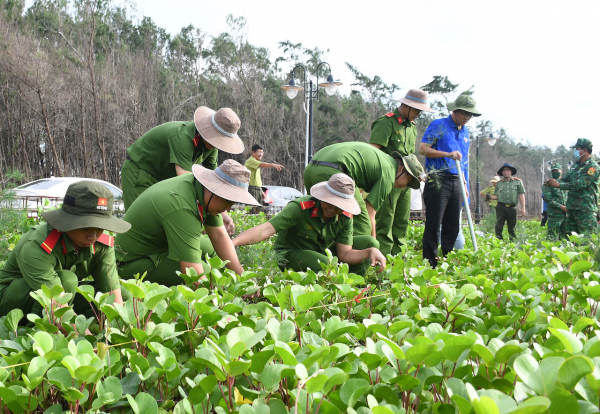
x=556, y=166
x=583, y=143
x=413, y=167
x=464, y=102
x=86, y=204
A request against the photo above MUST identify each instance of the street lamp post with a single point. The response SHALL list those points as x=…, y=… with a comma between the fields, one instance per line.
x=291, y=90
x=491, y=140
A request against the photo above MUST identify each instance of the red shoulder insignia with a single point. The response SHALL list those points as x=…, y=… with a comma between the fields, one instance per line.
x=196, y=140
x=50, y=241
x=345, y=213
x=107, y=240
x=517, y=178
x=308, y=204
x=315, y=212
x=391, y=114
x=416, y=123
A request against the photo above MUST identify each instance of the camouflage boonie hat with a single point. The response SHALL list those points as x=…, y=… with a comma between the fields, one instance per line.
x=555, y=166
x=464, y=102
x=87, y=204
x=583, y=143
x=413, y=167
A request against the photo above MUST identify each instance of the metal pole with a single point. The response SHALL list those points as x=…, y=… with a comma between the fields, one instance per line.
x=464, y=194
x=310, y=122
x=478, y=208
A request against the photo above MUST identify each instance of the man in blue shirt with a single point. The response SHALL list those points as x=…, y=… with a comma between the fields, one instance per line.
x=445, y=141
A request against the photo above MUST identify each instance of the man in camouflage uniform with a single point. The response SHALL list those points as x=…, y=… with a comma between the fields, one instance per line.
x=397, y=132
x=557, y=211
x=582, y=184
x=509, y=192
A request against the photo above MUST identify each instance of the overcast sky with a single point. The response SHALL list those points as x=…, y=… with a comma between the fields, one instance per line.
x=534, y=64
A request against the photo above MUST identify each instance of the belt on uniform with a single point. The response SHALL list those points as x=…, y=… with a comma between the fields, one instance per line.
x=509, y=205
x=252, y=187
x=127, y=157
x=330, y=164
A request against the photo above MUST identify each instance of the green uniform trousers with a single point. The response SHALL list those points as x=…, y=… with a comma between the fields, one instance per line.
x=134, y=181
x=314, y=174
x=556, y=224
x=256, y=192
x=17, y=295
x=392, y=221
x=580, y=222
x=508, y=215
x=300, y=260
x=159, y=268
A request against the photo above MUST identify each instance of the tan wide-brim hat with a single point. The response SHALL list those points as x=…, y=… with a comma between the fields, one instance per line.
x=219, y=128
x=339, y=191
x=495, y=179
x=416, y=98
x=229, y=181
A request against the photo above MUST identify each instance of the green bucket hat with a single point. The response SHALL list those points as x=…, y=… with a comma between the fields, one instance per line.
x=583, y=143
x=86, y=204
x=464, y=102
x=555, y=166
x=413, y=167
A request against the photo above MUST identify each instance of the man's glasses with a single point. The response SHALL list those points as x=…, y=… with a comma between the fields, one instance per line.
x=465, y=114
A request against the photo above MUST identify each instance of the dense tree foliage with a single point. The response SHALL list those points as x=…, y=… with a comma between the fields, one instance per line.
x=81, y=80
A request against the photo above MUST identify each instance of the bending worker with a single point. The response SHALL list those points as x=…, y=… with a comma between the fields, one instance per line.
x=167, y=221
x=310, y=224
x=72, y=238
x=372, y=170
x=170, y=149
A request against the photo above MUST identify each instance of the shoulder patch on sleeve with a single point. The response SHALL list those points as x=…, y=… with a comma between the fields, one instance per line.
x=345, y=213
x=591, y=171
x=517, y=178
x=107, y=240
x=50, y=241
x=307, y=204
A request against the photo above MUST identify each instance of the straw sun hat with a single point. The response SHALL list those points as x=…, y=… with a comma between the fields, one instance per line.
x=229, y=181
x=219, y=129
x=416, y=98
x=339, y=191
x=86, y=204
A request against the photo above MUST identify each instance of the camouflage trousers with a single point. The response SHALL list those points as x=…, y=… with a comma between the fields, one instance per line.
x=581, y=221
x=556, y=224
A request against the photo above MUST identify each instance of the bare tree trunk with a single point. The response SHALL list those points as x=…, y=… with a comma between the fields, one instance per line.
x=47, y=125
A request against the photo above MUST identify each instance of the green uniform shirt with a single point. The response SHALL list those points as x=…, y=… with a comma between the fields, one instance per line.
x=555, y=197
x=166, y=218
x=29, y=261
x=299, y=229
x=508, y=190
x=158, y=150
x=394, y=134
x=581, y=182
x=491, y=190
x=254, y=166
x=371, y=169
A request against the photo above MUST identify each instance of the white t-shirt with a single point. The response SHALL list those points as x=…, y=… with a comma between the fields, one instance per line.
x=416, y=202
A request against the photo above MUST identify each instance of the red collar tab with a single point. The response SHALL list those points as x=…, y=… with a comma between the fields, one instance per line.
x=307, y=204
x=314, y=212
x=200, y=211
x=106, y=240
x=50, y=241
x=345, y=213
x=196, y=140
x=64, y=247
x=400, y=120
x=391, y=114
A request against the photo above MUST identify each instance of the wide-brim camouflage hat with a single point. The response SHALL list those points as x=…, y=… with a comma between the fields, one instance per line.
x=87, y=204
x=465, y=103
x=219, y=128
x=416, y=98
x=229, y=181
x=413, y=167
x=339, y=191
x=583, y=143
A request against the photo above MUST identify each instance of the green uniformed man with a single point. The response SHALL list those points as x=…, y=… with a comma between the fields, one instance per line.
x=489, y=192
x=254, y=164
x=167, y=221
x=70, y=246
x=509, y=192
x=310, y=224
x=372, y=170
x=556, y=199
x=397, y=131
x=581, y=181
x=170, y=149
